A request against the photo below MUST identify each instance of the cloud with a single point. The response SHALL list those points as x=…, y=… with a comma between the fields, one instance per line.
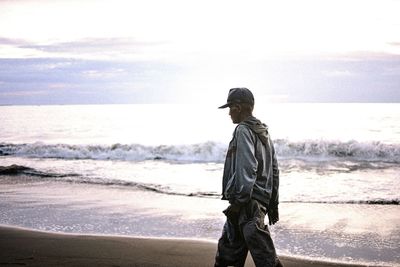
x=11, y=41
x=364, y=56
x=338, y=73
x=93, y=44
x=87, y=48
x=83, y=81
x=108, y=74
x=394, y=43
x=77, y=81
x=23, y=93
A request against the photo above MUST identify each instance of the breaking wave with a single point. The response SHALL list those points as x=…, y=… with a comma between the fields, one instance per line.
x=207, y=152
x=351, y=149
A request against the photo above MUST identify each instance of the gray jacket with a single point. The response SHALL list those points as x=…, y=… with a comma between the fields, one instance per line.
x=251, y=169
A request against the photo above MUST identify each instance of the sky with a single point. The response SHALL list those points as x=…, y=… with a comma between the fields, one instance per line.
x=158, y=51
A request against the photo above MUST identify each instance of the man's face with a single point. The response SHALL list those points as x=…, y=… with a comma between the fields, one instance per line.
x=234, y=112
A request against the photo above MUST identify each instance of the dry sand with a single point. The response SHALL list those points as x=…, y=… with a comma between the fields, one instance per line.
x=21, y=247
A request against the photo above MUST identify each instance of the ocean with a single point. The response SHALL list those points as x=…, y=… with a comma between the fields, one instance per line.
x=155, y=171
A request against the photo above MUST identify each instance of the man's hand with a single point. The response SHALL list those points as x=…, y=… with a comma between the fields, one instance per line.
x=232, y=212
x=273, y=215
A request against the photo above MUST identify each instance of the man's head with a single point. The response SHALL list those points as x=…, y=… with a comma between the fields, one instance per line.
x=240, y=102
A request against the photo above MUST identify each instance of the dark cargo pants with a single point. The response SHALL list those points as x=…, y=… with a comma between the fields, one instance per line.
x=247, y=233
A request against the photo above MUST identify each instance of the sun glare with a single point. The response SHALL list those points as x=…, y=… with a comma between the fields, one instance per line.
x=255, y=29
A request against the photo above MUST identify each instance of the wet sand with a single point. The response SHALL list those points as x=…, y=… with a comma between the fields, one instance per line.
x=22, y=247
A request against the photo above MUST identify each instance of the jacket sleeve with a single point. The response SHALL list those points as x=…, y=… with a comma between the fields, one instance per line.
x=274, y=201
x=245, y=172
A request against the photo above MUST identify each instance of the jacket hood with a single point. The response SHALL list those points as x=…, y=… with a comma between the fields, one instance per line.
x=258, y=128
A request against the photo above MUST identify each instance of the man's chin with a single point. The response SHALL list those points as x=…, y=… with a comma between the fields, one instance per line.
x=234, y=121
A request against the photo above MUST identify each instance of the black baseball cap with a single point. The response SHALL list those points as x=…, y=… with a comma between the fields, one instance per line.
x=238, y=96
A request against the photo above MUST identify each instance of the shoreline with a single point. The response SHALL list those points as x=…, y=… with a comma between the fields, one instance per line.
x=21, y=246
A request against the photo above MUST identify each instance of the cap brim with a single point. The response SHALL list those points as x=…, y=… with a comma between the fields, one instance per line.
x=225, y=106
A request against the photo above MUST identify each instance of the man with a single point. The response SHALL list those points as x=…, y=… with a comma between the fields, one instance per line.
x=250, y=183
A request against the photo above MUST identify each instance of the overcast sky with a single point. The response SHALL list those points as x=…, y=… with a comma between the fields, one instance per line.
x=158, y=51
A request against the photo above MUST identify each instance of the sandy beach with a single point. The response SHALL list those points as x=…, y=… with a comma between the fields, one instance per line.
x=22, y=247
